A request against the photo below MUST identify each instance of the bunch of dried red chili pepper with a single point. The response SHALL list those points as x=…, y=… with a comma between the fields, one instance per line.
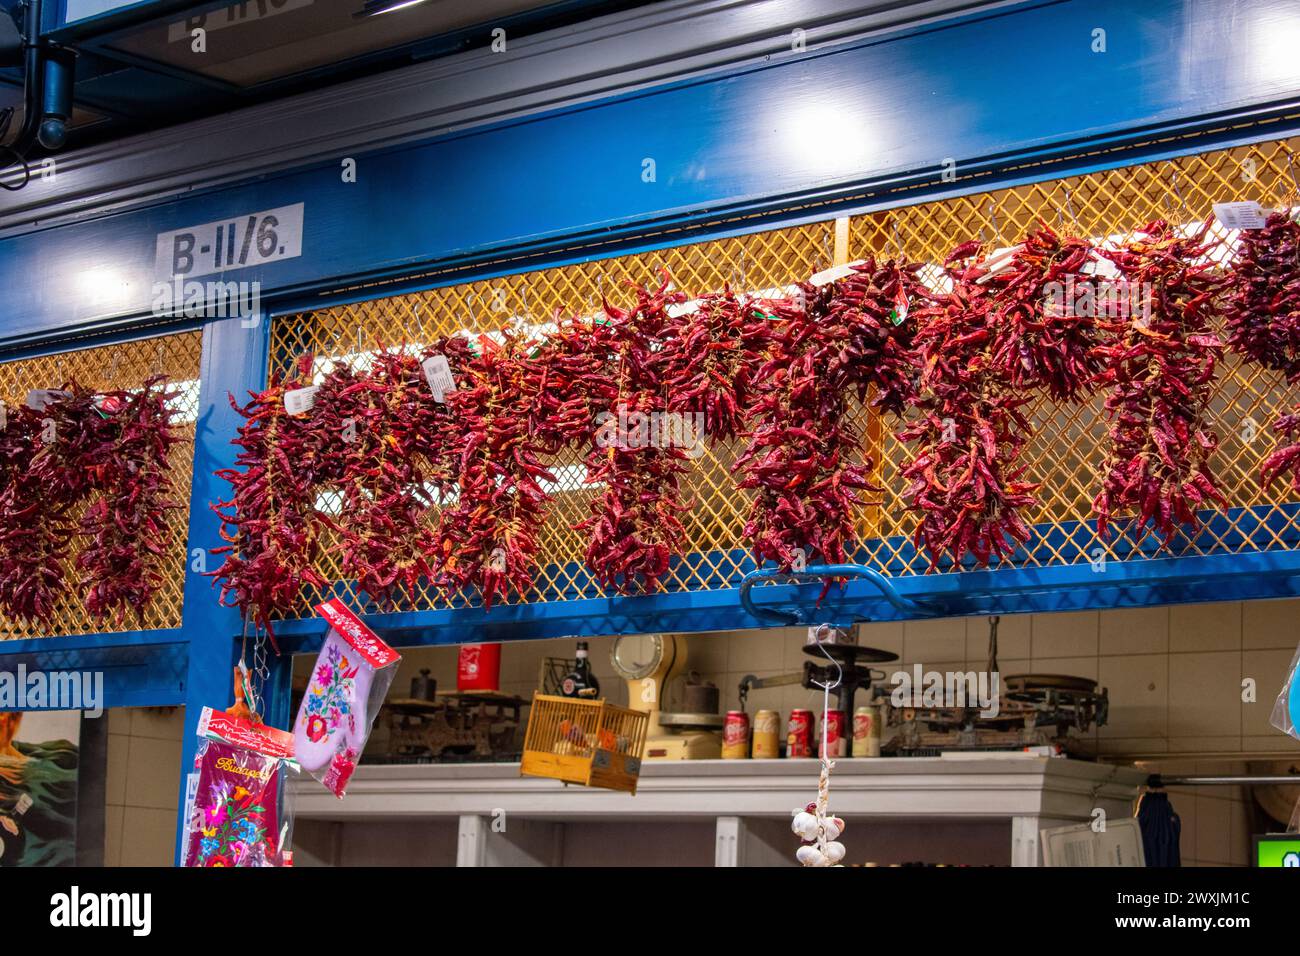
x=371, y=431
x=710, y=353
x=804, y=456
x=1160, y=372
x=964, y=479
x=128, y=526
x=490, y=534
x=1262, y=308
x=51, y=478
x=273, y=530
x=1045, y=328
x=634, y=452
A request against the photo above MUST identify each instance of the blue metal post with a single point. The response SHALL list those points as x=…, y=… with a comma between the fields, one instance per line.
x=234, y=362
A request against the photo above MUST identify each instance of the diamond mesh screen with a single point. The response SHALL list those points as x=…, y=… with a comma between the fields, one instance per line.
x=1069, y=443
x=120, y=366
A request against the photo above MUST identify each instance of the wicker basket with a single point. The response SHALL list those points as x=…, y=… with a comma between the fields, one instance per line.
x=589, y=742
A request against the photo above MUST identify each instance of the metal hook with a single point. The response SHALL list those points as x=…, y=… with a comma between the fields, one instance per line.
x=1069, y=204
x=1294, y=181
x=898, y=239
x=1178, y=192
x=821, y=646
x=993, y=218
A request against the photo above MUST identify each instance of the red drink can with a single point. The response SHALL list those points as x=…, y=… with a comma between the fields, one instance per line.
x=735, y=735
x=479, y=667
x=837, y=742
x=799, y=734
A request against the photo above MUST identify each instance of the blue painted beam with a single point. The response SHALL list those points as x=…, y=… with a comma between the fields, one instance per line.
x=821, y=125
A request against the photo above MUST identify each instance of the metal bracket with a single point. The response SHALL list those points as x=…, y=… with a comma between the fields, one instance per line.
x=801, y=615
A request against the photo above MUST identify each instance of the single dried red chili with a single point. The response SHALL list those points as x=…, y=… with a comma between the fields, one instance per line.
x=1160, y=372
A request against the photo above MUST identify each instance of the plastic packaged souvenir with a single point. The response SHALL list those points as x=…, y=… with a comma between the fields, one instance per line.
x=1286, y=711
x=239, y=814
x=348, y=684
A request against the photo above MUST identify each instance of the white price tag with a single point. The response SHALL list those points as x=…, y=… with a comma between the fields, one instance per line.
x=438, y=374
x=1240, y=215
x=997, y=261
x=39, y=399
x=834, y=273
x=1101, y=267
x=298, y=401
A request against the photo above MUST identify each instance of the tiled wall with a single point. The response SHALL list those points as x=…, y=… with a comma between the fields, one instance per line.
x=144, y=771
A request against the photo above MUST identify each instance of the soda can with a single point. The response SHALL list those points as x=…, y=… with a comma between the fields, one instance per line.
x=866, y=731
x=735, y=735
x=799, y=734
x=767, y=735
x=837, y=736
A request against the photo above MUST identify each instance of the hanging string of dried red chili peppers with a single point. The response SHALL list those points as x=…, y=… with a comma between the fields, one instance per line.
x=804, y=457
x=964, y=480
x=1045, y=329
x=54, y=476
x=1262, y=308
x=128, y=527
x=270, y=519
x=490, y=535
x=635, y=526
x=1160, y=372
x=710, y=353
x=370, y=431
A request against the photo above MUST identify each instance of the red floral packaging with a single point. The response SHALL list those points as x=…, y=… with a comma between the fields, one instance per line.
x=238, y=814
x=348, y=684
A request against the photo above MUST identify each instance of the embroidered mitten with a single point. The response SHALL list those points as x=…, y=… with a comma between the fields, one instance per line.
x=334, y=706
x=348, y=684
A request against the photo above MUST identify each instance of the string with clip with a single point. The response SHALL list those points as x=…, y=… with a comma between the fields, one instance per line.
x=824, y=779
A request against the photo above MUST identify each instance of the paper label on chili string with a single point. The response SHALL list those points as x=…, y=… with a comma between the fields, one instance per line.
x=1240, y=215
x=298, y=401
x=39, y=399
x=437, y=372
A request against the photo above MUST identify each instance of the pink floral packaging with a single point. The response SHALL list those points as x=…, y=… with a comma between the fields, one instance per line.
x=238, y=814
x=348, y=684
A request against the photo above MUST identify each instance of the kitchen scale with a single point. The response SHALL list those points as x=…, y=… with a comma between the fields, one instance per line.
x=648, y=662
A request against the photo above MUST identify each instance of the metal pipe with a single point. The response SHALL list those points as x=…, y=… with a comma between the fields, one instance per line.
x=1159, y=780
x=817, y=572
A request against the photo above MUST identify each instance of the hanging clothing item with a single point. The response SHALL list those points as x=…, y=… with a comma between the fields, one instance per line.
x=1162, y=829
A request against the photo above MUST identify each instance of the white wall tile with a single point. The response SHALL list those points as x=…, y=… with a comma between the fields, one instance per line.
x=1072, y=634
x=1135, y=630
x=1205, y=694
x=1271, y=624
x=1205, y=627
x=1139, y=695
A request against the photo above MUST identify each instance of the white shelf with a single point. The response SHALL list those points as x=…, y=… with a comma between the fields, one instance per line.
x=1033, y=792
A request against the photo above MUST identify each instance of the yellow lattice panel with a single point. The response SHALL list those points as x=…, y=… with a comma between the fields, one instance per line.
x=120, y=366
x=1069, y=442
